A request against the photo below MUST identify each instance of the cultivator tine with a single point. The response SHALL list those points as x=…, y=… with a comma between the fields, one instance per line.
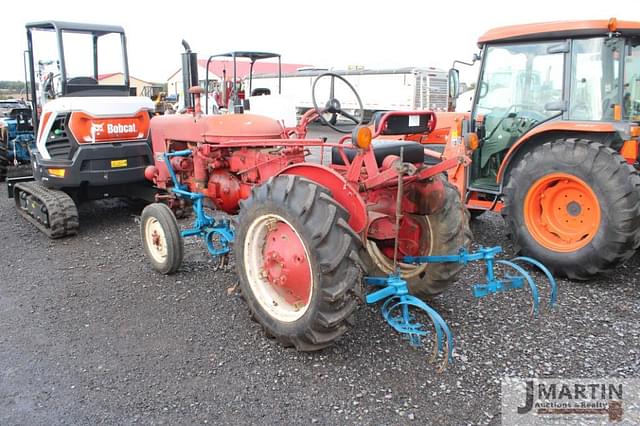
x=493, y=284
x=406, y=323
x=396, y=311
x=552, y=282
x=532, y=285
x=395, y=289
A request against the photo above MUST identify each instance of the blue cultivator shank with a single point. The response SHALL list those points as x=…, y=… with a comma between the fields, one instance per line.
x=396, y=309
x=217, y=234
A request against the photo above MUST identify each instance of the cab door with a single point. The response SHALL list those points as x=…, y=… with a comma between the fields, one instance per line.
x=521, y=86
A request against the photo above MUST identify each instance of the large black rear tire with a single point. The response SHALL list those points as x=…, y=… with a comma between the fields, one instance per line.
x=587, y=170
x=299, y=211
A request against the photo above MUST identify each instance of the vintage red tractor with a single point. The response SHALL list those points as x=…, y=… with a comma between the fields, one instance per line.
x=305, y=233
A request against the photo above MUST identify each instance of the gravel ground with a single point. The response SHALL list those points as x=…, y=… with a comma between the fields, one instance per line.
x=91, y=335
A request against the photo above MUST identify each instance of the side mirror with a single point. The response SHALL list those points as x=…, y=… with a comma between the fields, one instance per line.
x=454, y=83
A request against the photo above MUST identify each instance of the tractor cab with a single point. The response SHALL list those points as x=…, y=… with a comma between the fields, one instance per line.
x=567, y=76
x=554, y=138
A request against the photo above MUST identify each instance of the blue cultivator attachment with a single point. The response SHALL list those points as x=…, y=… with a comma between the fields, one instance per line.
x=217, y=234
x=396, y=311
x=397, y=307
x=494, y=285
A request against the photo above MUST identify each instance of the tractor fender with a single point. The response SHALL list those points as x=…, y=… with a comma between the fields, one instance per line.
x=341, y=190
x=549, y=131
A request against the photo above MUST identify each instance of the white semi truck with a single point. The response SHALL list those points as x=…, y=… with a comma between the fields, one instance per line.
x=398, y=89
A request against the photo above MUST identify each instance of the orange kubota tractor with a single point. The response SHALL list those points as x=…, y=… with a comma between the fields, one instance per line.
x=553, y=136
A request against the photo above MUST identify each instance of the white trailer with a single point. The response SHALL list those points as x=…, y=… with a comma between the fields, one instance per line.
x=399, y=89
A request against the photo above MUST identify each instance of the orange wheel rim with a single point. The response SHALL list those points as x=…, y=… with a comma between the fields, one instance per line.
x=562, y=212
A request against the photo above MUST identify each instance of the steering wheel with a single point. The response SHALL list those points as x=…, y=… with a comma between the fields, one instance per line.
x=333, y=105
x=509, y=113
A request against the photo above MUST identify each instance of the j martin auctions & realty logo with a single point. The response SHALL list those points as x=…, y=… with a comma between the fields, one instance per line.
x=547, y=401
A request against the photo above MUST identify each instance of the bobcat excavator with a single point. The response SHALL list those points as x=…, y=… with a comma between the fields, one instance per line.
x=92, y=140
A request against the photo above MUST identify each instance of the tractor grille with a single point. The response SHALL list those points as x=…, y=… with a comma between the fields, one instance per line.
x=58, y=143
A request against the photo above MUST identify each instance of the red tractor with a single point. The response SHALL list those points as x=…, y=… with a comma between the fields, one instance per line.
x=305, y=232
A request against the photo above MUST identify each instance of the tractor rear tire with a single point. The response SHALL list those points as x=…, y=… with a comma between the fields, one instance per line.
x=594, y=198
x=297, y=260
x=161, y=238
x=449, y=231
x=4, y=160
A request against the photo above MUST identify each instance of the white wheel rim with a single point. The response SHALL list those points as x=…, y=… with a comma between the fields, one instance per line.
x=266, y=295
x=386, y=265
x=156, y=240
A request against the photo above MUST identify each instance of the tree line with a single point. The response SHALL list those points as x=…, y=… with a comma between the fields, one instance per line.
x=11, y=86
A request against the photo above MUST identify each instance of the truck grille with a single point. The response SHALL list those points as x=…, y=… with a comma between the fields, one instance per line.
x=438, y=93
x=431, y=91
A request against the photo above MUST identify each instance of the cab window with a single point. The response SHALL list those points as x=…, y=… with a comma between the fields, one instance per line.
x=595, y=78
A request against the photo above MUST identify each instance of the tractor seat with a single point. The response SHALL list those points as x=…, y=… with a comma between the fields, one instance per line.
x=413, y=151
x=23, y=119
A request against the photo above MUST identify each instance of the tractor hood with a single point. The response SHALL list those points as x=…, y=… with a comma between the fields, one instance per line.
x=213, y=128
x=243, y=126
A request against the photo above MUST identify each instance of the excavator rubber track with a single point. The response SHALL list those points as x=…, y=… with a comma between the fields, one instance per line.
x=51, y=211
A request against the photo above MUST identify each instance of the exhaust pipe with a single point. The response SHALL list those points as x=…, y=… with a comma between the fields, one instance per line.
x=189, y=74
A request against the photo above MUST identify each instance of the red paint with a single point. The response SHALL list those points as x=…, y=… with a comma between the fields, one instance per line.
x=233, y=153
x=343, y=192
x=226, y=190
x=286, y=264
x=424, y=198
x=410, y=242
x=182, y=164
x=420, y=198
x=150, y=173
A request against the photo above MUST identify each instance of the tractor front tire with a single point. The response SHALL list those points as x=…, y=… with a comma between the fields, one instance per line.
x=297, y=260
x=161, y=238
x=574, y=205
x=4, y=160
x=448, y=231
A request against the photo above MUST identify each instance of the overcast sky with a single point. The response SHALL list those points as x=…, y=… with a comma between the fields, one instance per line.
x=326, y=33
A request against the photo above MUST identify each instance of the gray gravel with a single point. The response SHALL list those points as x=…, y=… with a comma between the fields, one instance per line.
x=91, y=335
